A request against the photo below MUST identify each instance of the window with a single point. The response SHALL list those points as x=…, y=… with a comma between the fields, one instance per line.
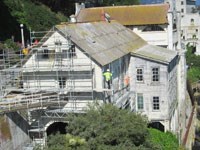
x=182, y=2
x=153, y=28
x=156, y=103
x=45, y=53
x=72, y=51
x=174, y=26
x=192, y=21
x=182, y=10
x=139, y=75
x=155, y=74
x=62, y=82
x=140, y=101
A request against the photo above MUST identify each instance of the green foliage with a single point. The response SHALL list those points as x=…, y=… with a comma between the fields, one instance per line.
x=193, y=61
x=107, y=127
x=193, y=74
x=68, y=141
x=9, y=44
x=56, y=142
x=191, y=58
x=165, y=141
x=34, y=16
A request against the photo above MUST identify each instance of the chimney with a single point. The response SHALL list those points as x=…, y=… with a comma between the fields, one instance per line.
x=73, y=19
x=78, y=7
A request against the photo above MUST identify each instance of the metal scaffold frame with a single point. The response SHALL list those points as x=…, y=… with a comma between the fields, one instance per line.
x=49, y=74
x=45, y=80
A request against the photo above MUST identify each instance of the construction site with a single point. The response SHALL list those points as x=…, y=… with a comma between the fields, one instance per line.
x=44, y=82
x=62, y=72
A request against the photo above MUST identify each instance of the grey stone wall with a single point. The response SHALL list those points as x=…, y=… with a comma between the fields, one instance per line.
x=19, y=130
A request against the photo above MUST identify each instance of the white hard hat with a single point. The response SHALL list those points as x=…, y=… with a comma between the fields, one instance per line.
x=108, y=69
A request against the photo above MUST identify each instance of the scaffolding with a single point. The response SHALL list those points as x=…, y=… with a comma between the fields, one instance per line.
x=51, y=74
x=48, y=79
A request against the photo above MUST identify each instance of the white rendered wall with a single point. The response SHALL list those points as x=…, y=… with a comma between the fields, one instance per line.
x=166, y=89
x=153, y=37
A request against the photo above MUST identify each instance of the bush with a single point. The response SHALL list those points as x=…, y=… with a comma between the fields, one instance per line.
x=193, y=63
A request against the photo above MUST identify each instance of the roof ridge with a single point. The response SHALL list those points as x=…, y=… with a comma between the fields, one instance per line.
x=122, y=6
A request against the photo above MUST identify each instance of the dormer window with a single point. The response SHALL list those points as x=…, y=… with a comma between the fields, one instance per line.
x=153, y=28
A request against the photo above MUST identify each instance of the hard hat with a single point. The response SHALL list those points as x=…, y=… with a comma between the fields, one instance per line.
x=108, y=69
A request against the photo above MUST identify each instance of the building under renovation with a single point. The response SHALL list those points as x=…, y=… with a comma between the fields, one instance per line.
x=63, y=73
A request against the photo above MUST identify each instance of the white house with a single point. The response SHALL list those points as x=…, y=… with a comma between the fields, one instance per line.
x=155, y=84
x=67, y=65
x=72, y=58
x=190, y=26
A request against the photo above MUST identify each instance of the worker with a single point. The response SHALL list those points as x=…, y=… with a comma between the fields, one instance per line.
x=25, y=51
x=107, y=75
x=36, y=42
x=126, y=80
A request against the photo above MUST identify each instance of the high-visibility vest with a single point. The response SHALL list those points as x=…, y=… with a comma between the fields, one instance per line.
x=108, y=75
x=25, y=51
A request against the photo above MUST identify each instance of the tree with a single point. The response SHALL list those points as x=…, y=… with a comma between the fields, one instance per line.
x=33, y=15
x=107, y=127
x=193, y=62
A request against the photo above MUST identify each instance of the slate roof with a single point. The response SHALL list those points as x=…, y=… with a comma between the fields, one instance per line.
x=106, y=42
x=103, y=41
x=127, y=15
x=155, y=53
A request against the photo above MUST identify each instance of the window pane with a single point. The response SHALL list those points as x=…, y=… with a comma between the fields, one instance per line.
x=62, y=82
x=140, y=102
x=156, y=103
x=155, y=74
x=139, y=75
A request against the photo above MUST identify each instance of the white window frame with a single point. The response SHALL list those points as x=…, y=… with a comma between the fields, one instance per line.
x=140, y=102
x=156, y=103
x=140, y=75
x=182, y=3
x=155, y=74
x=62, y=82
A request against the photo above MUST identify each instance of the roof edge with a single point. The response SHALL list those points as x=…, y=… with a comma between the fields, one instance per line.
x=150, y=58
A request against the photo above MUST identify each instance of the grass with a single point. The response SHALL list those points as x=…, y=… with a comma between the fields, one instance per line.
x=193, y=74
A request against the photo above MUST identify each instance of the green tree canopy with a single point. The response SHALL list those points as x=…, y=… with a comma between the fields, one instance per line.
x=193, y=62
x=33, y=15
x=107, y=127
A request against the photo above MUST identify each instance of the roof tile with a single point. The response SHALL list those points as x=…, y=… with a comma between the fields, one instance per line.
x=127, y=15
